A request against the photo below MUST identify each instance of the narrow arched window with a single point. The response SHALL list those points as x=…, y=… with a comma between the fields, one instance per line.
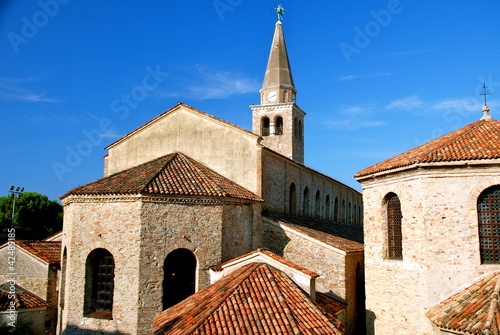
x=99, y=284
x=394, y=233
x=63, y=278
x=336, y=210
x=317, y=205
x=278, y=125
x=488, y=210
x=349, y=213
x=295, y=128
x=305, y=204
x=327, y=208
x=265, y=126
x=342, y=212
x=292, y=203
x=179, y=275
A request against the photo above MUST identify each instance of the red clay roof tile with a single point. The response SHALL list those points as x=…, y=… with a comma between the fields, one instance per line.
x=255, y=299
x=476, y=141
x=23, y=298
x=49, y=251
x=474, y=310
x=174, y=174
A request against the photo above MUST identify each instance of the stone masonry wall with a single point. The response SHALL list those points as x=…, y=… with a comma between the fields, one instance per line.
x=336, y=270
x=440, y=244
x=114, y=225
x=279, y=173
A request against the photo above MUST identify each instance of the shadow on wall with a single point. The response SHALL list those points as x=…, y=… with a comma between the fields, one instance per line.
x=370, y=322
x=77, y=330
x=275, y=239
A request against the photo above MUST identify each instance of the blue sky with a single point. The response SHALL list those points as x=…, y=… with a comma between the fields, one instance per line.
x=375, y=78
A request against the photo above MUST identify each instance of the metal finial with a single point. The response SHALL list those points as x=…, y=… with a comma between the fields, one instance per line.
x=279, y=11
x=485, y=92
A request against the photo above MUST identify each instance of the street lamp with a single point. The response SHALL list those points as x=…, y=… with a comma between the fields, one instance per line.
x=16, y=192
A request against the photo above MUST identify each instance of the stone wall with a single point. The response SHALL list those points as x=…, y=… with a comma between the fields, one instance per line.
x=140, y=232
x=440, y=243
x=336, y=269
x=279, y=173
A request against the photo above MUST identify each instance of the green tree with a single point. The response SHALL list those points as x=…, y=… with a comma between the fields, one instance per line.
x=36, y=217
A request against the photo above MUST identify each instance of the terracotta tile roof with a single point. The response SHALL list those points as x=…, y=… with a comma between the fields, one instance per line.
x=49, y=251
x=474, y=310
x=329, y=304
x=476, y=141
x=255, y=299
x=171, y=110
x=23, y=298
x=344, y=237
x=271, y=254
x=174, y=174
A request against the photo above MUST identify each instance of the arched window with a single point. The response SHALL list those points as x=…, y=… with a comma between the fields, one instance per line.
x=349, y=213
x=179, y=275
x=301, y=134
x=285, y=96
x=278, y=125
x=336, y=210
x=265, y=126
x=317, y=205
x=354, y=214
x=488, y=211
x=394, y=234
x=342, y=213
x=99, y=284
x=327, y=208
x=305, y=204
x=292, y=203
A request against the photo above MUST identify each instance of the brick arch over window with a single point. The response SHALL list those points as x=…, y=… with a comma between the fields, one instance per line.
x=394, y=218
x=265, y=126
x=488, y=211
x=179, y=276
x=99, y=284
x=278, y=125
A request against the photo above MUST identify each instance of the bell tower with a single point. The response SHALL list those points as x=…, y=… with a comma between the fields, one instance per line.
x=278, y=119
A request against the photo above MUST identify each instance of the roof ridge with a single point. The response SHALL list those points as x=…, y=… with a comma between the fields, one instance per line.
x=205, y=172
x=170, y=158
x=250, y=268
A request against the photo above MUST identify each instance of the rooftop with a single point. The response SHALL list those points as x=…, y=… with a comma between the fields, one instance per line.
x=255, y=299
x=174, y=174
x=23, y=298
x=49, y=251
x=476, y=141
x=474, y=310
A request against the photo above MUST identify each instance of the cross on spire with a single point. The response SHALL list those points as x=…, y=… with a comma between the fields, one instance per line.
x=485, y=92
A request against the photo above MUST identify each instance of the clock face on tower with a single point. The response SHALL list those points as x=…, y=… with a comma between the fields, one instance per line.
x=272, y=96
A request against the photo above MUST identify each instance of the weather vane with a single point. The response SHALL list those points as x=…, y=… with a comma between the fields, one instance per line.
x=485, y=92
x=279, y=11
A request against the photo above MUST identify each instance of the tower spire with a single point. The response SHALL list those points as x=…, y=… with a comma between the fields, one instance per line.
x=278, y=86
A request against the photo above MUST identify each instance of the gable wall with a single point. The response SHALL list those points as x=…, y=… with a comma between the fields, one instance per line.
x=223, y=148
x=440, y=244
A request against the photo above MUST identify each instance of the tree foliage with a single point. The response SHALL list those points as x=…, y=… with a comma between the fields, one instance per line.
x=35, y=218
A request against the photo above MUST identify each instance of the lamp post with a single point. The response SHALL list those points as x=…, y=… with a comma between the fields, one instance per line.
x=16, y=192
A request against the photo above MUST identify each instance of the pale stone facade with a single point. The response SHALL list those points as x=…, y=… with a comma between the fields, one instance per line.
x=440, y=239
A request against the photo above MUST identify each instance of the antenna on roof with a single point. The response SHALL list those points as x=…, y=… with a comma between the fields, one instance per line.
x=486, y=109
x=485, y=92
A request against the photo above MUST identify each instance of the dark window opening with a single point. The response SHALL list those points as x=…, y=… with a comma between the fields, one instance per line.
x=265, y=126
x=293, y=200
x=99, y=284
x=179, y=270
x=278, y=126
x=305, y=204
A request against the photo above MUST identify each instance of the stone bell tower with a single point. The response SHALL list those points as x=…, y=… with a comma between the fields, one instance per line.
x=278, y=119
